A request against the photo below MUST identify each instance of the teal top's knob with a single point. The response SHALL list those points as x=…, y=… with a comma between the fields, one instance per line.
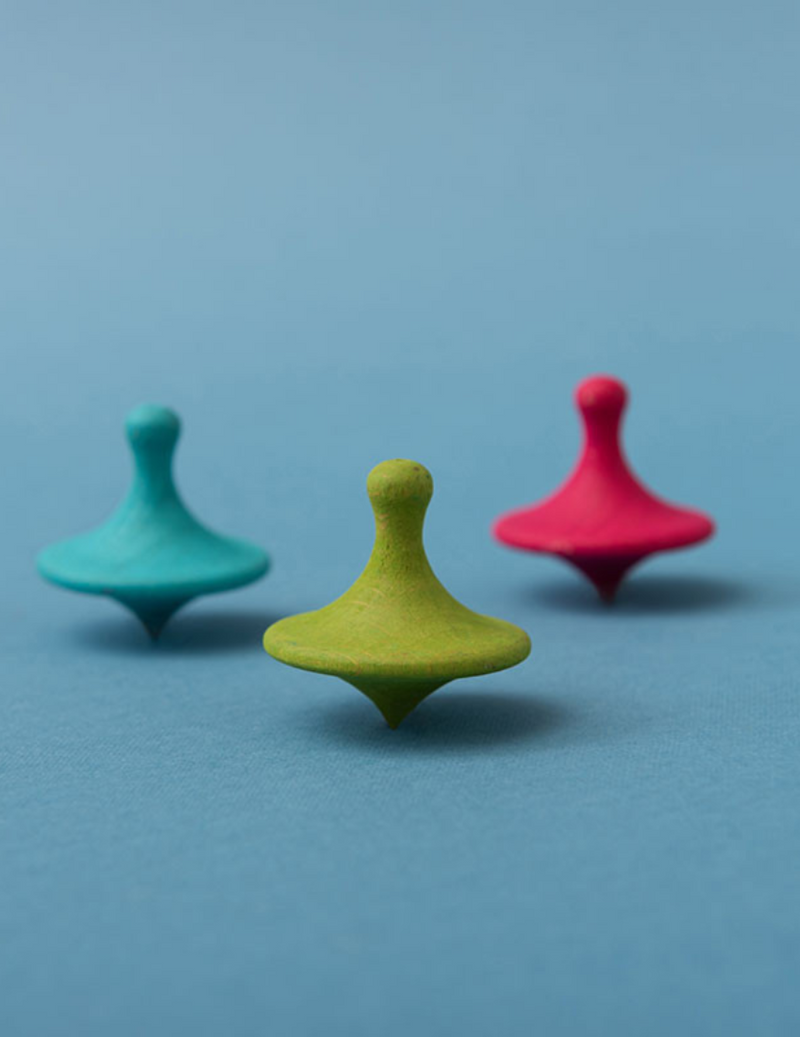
x=152, y=555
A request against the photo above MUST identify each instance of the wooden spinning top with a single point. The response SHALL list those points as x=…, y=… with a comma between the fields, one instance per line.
x=602, y=520
x=152, y=555
x=397, y=635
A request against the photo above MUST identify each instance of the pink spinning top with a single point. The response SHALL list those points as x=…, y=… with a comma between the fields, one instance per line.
x=602, y=520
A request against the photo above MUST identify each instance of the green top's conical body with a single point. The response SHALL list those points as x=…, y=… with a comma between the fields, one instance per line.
x=397, y=634
x=152, y=555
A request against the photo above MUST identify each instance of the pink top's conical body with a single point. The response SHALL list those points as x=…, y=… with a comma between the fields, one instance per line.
x=603, y=519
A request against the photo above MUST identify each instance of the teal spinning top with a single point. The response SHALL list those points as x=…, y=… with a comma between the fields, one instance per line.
x=152, y=555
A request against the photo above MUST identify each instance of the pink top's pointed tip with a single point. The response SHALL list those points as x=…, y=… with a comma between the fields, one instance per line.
x=601, y=393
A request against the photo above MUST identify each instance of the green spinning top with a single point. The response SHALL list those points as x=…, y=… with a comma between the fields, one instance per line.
x=152, y=555
x=397, y=635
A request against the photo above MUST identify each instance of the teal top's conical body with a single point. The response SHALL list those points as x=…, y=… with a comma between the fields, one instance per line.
x=152, y=555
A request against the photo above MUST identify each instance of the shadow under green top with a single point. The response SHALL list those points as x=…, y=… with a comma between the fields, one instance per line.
x=397, y=635
x=152, y=555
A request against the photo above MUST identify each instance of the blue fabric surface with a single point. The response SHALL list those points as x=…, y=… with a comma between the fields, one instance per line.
x=328, y=234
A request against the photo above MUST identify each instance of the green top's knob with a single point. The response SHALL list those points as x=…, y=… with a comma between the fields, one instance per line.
x=400, y=484
x=397, y=635
x=152, y=555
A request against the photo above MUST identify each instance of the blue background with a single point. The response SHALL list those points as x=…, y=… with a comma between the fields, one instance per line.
x=332, y=233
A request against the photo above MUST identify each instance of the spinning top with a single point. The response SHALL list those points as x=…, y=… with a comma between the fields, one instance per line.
x=152, y=554
x=397, y=635
x=602, y=520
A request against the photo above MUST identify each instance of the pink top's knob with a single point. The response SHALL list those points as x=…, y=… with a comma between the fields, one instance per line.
x=602, y=520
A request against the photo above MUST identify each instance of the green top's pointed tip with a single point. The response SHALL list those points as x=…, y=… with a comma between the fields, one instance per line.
x=394, y=483
x=151, y=425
